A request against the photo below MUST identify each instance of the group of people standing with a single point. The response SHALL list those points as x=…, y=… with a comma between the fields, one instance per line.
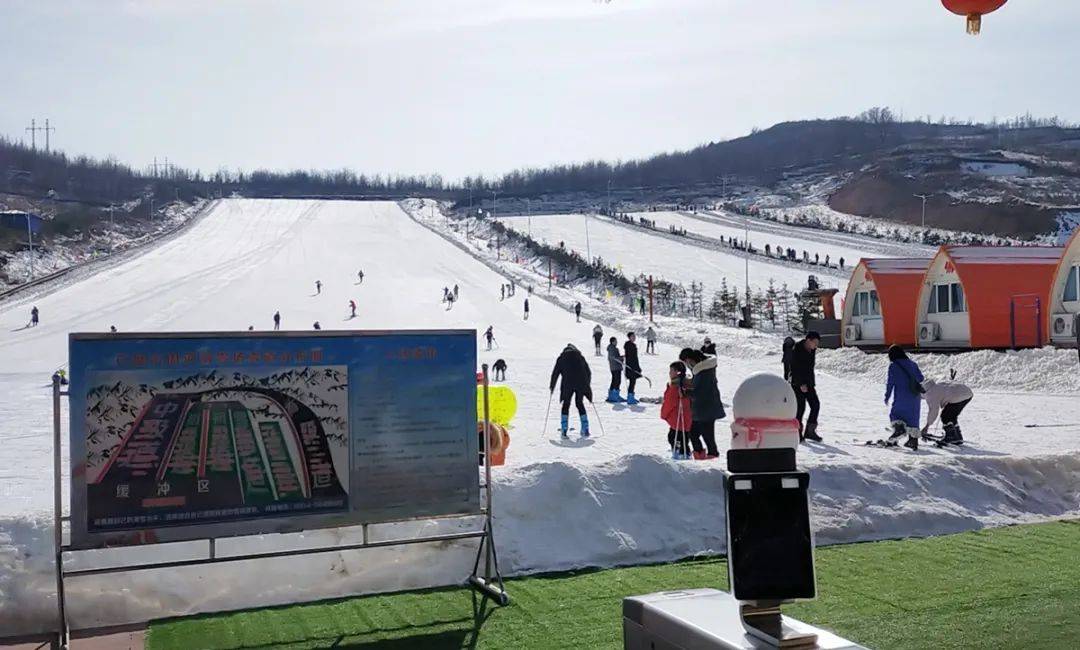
x=692, y=405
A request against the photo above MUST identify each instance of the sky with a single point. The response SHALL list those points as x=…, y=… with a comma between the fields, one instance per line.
x=466, y=87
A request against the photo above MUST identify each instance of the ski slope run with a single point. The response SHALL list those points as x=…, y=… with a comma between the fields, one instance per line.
x=615, y=499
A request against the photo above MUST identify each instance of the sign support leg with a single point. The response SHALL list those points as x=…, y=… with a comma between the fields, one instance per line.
x=493, y=588
x=58, y=530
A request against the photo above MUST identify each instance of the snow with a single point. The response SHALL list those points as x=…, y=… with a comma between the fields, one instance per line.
x=615, y=499
x=995, y=168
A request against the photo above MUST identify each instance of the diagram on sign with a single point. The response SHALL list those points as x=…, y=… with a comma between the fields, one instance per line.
x=215, y=446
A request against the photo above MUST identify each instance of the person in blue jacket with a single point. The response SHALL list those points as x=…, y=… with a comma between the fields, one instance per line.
x=904, y=386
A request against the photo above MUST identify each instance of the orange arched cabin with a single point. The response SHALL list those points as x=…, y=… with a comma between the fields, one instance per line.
x=987, y=297
x=880, y=304
x=1064, y=310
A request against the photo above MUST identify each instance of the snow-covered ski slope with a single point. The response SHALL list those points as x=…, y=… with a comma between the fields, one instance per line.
x=612, y=500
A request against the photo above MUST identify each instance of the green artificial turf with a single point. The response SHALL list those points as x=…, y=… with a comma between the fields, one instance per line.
x=1002, y=588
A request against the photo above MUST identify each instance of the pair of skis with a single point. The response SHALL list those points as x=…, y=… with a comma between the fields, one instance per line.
x=938, y=441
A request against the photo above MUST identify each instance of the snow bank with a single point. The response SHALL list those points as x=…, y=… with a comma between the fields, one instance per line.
x=554, y=516
x=1044, y=370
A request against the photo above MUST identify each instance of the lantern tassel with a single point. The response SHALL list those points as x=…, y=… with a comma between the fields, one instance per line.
x=974, y=23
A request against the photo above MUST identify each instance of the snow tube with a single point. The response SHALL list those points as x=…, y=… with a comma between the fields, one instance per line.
x=498, y=441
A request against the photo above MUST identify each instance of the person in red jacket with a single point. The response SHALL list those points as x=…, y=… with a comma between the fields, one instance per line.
x=675, y=410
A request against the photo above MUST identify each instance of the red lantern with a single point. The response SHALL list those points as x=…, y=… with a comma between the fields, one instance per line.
x=974, y=10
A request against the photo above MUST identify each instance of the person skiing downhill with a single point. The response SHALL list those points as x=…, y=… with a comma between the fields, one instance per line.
x=352, y=307
x=904, y=385
x=615, y=365
x=318, y=287
x=597, y=336
x=34, y=316
x=526, y=309
x=489, y=335
x=576, y=384
x=633, y=367
x=277, y=320
x=577, y=311
x=650, y=341
x=947, y=398
x=801, y=360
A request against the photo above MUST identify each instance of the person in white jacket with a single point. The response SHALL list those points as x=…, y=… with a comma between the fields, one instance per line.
x=947, y=398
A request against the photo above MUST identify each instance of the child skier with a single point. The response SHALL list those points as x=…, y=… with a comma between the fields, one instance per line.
x=904, y=386
x=489, y=336
x=675, y=410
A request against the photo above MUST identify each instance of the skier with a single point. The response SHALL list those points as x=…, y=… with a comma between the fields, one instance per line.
x=576, y=384
x=502, y=292
x=642, y=303
x=706, y=407
x=449, y=301
x=112, y=328
x=947, y=398
x=455, y=292
x=904, y=385
x=360, y=274
x=526, y=309
x=633, y=367
x=500, y=369
x=317, y=326
x=251, y=328
x=445, y=293
x=33, y=316
x=801, y=361
x=650, y=341
x=489, y=336
x=676, y=411
x=615, y=365
x=597, y=336
x=318, y=287
x=513, y=288
x=841, y=264
x=352, y=307
x=577, y=311
x=708, y=347
x=277, y=320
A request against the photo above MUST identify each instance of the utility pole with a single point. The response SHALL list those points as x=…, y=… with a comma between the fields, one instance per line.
x=588, y=247
x=609, y=197
x=47, y=129
x=923, y=197
x=33, y=129
x=494, y=204
x=746, y=244
x=528, y=211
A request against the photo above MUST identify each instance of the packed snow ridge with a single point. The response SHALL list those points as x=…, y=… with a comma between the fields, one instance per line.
x=615, y=499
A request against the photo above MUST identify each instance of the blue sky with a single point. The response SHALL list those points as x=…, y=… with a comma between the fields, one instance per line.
x=484, y=86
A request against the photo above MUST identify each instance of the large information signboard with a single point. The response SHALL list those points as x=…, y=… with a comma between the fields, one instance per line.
x=188, y=436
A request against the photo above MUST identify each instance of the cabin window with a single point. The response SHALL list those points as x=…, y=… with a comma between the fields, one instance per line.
x=1072, y=285
x=866, y=304
x=946, y=298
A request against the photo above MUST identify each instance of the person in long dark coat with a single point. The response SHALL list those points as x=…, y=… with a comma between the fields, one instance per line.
x=575, y=386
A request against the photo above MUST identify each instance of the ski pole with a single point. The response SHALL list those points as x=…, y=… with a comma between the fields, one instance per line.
x=547, y=414
x=598, y=420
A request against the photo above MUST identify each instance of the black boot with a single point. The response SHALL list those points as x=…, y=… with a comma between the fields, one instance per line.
x=912, y=443
x=952, y=435
x=899, y=431
x=811, y=432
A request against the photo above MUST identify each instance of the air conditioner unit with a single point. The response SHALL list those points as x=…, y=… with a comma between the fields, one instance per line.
x=852, y=333
x=1063, y=325
x=929, y=332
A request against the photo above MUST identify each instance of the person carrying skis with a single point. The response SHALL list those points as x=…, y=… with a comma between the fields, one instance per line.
x=576, y=384
x=277, y=320
x=947, y=398
x=708, y=347
x=352, y=307
x=706, y=407
x=597, y=336
x=904, y=385
x=676, y=411
x=801, y=362
x=489, y=335
x=632, y=365
x=526, y=309
x=34, y=316
x=577, y=311
x=650, y=341
x=318, y=287
x=615, y=365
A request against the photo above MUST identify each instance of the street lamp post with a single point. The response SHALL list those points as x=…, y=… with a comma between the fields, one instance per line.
x=923, y=197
